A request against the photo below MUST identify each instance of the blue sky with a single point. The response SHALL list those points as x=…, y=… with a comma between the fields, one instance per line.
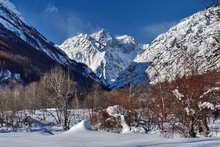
x=143, y=19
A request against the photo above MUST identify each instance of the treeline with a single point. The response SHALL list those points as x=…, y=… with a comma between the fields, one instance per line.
x=55, y=90
x=183, y=106
x=187, y=104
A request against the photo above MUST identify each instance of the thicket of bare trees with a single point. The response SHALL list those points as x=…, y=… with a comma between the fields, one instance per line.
x=188, y=103
x=182, y=106
x=56, y=90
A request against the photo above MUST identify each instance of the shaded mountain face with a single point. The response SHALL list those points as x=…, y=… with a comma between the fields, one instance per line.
x=193, y=45
x=25, y=54
x=108, y=56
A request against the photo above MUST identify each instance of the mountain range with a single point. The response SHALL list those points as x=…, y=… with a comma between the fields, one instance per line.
x=109, y=57
x=192, y=44
x=113, y=61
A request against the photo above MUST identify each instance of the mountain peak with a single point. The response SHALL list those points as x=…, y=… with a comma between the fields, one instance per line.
x=105, y=54
x=103, y=36
x=101, y=32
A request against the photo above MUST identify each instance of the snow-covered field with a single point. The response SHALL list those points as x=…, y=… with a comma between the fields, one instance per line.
x=43, y=133
x=81, y=135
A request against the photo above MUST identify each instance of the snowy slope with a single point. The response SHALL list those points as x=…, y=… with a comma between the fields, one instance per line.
x=87, y=138
x=134, y=75
x=17, y=38
x=11, y=6
x=12, y=20
x=108, y=56
x=194, y=43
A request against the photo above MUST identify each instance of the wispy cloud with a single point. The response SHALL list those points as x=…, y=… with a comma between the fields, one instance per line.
x=148, y=33
x=69, y=24
x=77, y=25
x=156, y=29
x=51, y=8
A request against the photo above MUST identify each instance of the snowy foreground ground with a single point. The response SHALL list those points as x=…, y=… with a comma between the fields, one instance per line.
x=81, y=136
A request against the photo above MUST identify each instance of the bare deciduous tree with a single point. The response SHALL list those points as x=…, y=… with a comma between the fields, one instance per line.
x=62, y=91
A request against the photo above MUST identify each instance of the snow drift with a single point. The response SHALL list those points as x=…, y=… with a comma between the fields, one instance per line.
x=83, y=126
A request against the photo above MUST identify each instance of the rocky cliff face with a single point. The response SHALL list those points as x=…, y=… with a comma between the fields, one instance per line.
x=108, y=56
x=191, y=45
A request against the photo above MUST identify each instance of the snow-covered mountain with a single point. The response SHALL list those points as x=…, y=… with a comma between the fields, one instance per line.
x=108, y=56
x=194, y=43
x=25, y=53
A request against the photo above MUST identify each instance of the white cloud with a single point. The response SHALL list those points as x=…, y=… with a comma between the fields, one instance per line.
x=157, y=29
x=75, y=25
x=51, y=8
x=69, y=24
